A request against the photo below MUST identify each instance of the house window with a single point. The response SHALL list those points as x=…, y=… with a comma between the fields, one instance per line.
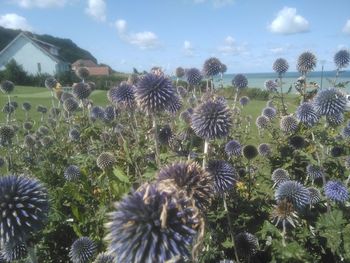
x=39, y=67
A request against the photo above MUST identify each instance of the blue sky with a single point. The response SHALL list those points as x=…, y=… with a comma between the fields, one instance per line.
x=246, y=35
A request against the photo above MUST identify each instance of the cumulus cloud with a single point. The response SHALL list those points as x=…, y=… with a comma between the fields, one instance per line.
x=39, y=3
x=96, y=9
x=288, y=21
x=188, y=48
x=14, y=21
x=346, y=28
x=142, y=40
x=216, y=3
x=231, y=47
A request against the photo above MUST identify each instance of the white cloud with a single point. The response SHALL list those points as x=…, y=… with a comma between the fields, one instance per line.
x=231, y=47
x=40, y=3
x=188, y=48
x=14, y=21
x=143, y=40
x=288, y=21
x=346, y=28
x=216, y=3
x=96, y=9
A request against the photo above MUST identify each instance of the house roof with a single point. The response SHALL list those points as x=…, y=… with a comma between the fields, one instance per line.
x=98, y=71
x=84, y=63
x=43, y=46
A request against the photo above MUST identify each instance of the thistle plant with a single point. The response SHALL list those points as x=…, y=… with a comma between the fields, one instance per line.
x=280, y=66
x=7, y=87
x=82, y=250
x=239, y=82
x=211, y=68
x=194, y=78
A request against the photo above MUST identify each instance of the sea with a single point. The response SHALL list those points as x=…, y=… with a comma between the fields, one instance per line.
x=257, y=80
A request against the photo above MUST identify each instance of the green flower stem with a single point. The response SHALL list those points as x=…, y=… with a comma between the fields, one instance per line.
x=235, y=99
x=205, y=153
x=284, y=233
x=284, y=110
x=32, y=255
x=155, y=128
x=250, y=181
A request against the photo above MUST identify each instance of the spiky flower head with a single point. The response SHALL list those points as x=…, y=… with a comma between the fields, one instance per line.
x=70, y=105
x=225, y=176
x=289, y=124
x=124, y=94
x=7, y=86
x=24, y=207
x=329, y=102
x=154, y=93
x=271, y=85
x=269, y=112
x=105, y=160
x=314, y=171
x=306, y=62
x=104, y=258
x=297, y=142
x=82, y=250
x=315, y=195
x=293, y=192
x=193, y=76
x=153, y=224
x=342, y=58
x=262, y=122
x=280, y=66
x=244, y=100
x=279, y=176
x=164, y=135
x=29, y=141
x=264, y=149
x=42, y=109
x=190, y=177
x=284, y=212
x=211, y=119
x=223, y=68
x=246, y=244
x=82, y=73
x=233, y=148
x=72, y=173
x=51, y=82
x=74, y=134
x=26, y=106
x=97, y=112
x=211, y=67
x=250, y=152
x=337, y=151
x=336, y=191
x=43, y=130
x=346, y=132
x=174, y=105
x=8, y=109
x=110, y=113
x=81, y=90
x=6, y=133
x=11, y=252
x=185, y=116
x=179, y=72
x=306, y=114
x=240, y=81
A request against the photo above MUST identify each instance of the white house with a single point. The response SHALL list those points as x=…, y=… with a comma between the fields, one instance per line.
x=36, y=57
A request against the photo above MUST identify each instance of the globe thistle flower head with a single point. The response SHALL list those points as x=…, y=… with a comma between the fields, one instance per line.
x=271, y=85
x=306, y=114
x=269, y=112
x=289, y=124
x=82, y=73
x=280, y=66
x=279, y=176
x=70, y=105
x=315, y=195
x=11, y=252
x=51, y=83
x=14, y=104
x=6, y=133
x=190, y=177
x=43, y=130
x=26, y=106
x=82, y=250
x=284, y=212
x=336, y=191
x=346, y=132
x=250, y=152
x=225, y=176
x=164, y=135
x=223, y=68
x=174, y=105
x=72, y=173
x=42, y=109
x=240, y=81
x=105, y=160
x=233, y=148
x=335, y=119
x=337, y=151
x=314, y=171
x=193, y=76
x=211, y=67
x=123, y=94
x=104, y=258
x=306, y=62
x=262, y=122
x=153, y=224
x=24, y=208
x=293, y=192
x=244, y=100
x=264, y=149
x=29, y=141
x=7, y=86
x=97, y=113
x=74, y=134
x=154, y=93
x=179, y=72
x=211, y=120
x=246, y=244
x=8, y=109
x=342, y=58
x=297, y=142
x=185, y=116
x=329, y=102
x=81, y=91
x=110, y=114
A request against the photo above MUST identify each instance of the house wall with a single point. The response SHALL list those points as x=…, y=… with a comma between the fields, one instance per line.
x=28, y=55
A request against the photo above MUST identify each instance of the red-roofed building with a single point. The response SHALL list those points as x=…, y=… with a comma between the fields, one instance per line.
x=93, y=68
